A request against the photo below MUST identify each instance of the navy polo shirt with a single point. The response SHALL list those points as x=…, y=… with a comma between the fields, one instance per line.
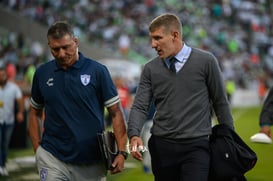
x=74, y=101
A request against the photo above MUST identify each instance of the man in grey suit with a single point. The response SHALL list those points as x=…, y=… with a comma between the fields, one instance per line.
x=185, y=84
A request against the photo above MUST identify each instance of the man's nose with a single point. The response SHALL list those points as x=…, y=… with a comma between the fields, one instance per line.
x=153, y=44
x=61, y=52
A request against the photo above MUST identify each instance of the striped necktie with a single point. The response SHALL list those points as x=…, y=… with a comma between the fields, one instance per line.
x=172, y=64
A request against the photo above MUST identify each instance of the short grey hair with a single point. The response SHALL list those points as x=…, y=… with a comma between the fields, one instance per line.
x=60, y=29
x=169, y=21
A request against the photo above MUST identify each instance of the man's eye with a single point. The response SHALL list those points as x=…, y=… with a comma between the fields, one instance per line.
x=157, y=38
x=55, y=49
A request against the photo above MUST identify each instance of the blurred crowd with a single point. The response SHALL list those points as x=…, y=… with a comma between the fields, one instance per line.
x=238, y=32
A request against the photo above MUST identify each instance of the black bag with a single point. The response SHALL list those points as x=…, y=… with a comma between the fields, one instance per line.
x=108, y=148
x=231, y=157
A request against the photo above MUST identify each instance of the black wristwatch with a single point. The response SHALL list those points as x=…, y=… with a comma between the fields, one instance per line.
x=124, y=154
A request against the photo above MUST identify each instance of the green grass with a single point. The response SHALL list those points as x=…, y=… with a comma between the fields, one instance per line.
x=246, y=124
x=132, y=174
x=13, y=153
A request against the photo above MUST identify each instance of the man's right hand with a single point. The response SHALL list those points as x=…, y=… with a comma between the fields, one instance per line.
x=136, y=145
x=266, y=130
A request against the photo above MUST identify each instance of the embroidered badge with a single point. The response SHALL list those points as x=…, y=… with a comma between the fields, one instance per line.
x=85, y=79
x=50, y=82
x=43, y=174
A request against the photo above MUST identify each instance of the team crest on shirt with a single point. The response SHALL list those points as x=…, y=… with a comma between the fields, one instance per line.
x=85, y=79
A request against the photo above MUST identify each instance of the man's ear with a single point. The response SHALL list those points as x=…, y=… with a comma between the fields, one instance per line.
x=76, y=40
x=174, y=35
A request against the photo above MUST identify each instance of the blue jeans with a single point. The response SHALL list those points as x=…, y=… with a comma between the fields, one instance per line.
x=5, y=135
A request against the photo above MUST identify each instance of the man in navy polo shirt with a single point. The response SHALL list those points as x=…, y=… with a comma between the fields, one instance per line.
x=73, y=91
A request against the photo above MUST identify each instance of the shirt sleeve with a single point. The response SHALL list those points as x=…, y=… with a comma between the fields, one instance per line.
x=218, y=94
x=36, y=99
x=266, y=115
x=109, y=91
x=140, y=107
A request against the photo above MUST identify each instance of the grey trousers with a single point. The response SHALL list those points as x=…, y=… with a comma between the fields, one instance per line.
x=52, y=169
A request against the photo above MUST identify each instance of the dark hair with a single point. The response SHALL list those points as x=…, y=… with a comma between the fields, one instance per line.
x=60, y=29
x=169, y=21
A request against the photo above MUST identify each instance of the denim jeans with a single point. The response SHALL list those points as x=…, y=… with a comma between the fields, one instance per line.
x=5, y=135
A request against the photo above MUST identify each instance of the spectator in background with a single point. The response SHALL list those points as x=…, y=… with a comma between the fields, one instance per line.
x=28, y=77
x=11, y=71
x=145, y=136
x=10, y=94
x=231, y=26
x=73, y=90
x=230, y=88
x=261, y=89
x=124, y=44
x=124, y=95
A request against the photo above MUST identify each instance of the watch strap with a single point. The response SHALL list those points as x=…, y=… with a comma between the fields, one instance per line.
x=124, y=154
